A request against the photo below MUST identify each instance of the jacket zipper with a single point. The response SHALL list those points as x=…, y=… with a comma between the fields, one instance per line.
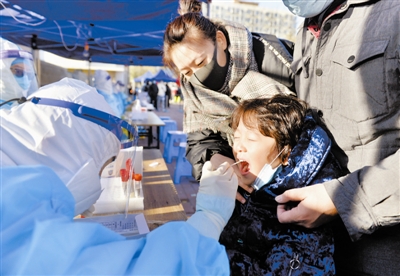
x=294, y=263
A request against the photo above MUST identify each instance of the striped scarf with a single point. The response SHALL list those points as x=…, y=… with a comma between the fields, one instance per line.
x=208, y=109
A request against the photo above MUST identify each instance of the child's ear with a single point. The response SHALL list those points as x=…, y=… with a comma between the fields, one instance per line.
x=285, y=162
x=286, y=154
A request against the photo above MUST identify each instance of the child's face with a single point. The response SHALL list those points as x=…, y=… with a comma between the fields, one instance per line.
x=255, y=149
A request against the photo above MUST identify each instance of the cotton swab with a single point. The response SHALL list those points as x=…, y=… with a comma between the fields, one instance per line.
x=240, y=161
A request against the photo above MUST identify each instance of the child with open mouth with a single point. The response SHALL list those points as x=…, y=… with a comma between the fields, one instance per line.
x=279, y=143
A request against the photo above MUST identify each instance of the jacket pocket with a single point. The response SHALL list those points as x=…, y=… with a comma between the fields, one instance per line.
x=359, y=79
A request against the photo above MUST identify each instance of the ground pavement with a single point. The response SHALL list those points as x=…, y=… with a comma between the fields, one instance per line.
x=188, y=187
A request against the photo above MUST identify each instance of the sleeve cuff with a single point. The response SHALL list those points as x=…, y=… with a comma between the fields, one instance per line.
x=352, y=206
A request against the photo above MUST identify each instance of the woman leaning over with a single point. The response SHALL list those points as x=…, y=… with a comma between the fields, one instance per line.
x=220, y=64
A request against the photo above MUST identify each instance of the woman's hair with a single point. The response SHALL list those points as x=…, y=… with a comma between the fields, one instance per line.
x=280, y=117
x=190, y=19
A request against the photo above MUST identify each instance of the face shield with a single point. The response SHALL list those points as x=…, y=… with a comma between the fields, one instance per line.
x=119, y=87
x=18, y=78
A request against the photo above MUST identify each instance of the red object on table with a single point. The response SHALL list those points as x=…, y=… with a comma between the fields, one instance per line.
x=128, y=164
x=138, y=177
x=124, y=175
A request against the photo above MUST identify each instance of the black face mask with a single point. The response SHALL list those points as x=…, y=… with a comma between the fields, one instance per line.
x=212, y=75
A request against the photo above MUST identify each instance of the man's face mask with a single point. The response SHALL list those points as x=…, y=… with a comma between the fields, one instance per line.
x=212, y=75
x=307, y=8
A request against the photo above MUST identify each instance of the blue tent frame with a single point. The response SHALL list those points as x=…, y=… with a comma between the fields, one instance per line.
x=126, y=32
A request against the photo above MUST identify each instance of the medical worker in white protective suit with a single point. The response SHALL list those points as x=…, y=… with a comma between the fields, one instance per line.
x=121, y=96
x=52, y=156
x=104, y=85
x=18, y=78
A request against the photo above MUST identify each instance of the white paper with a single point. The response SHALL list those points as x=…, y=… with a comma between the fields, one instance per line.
x=133, y=224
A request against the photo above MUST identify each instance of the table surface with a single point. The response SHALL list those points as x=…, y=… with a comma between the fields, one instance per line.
x=161, y=200
x=151, y=120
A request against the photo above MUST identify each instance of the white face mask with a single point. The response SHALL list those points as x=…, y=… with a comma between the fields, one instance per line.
x=266, y=174
x=307, y=8
x=85, y=186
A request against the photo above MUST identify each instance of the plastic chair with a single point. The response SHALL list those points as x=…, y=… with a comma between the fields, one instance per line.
x=171, y=147
x=164, y=118
x=169, y=125
x=183, y=167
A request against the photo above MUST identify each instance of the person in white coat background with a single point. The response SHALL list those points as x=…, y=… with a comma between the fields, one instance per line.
x=18, y=75
x=104, y=85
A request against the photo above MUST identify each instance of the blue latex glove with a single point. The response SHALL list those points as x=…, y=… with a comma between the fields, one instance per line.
x=215, y=200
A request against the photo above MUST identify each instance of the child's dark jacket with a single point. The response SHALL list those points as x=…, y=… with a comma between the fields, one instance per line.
x=257, y=244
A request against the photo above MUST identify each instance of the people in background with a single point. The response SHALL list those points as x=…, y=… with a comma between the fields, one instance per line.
x=178, y=95
x=167, y=95
x=132, y=92
x=104, y=85
x=52, y=156
x=352, y=75
x=281, y=144
x=121, y=96
x=18, y=75
x=161, y=95
x=220, y=64
x=153, y=93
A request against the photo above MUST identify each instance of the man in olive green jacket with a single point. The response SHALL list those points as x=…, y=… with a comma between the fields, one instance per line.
x=347, y=63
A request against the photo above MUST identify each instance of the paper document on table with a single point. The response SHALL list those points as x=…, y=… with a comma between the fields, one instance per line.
x=133, y=224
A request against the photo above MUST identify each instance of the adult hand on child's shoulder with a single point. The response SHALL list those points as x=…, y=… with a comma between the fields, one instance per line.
x=309, y=206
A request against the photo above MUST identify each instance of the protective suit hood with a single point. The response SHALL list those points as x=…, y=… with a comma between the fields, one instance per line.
x=52, y=136
x=103, y=82
x=10, y=85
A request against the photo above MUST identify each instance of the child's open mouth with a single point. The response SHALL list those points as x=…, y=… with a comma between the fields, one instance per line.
x=244, y=167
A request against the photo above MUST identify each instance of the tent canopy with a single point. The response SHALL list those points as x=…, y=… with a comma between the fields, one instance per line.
x=144, y=77
x=126, y=32
x=161, y=76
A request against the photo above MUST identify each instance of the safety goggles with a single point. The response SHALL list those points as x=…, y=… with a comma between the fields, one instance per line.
x=124, y=131
x=22, y=68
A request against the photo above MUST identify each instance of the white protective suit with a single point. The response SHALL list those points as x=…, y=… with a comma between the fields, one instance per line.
x=44, y=147
x=38, y=134
x=104, y=85
x=21, y=80
x=39, y=236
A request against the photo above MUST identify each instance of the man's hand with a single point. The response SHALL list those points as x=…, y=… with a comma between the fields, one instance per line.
x=314, y=206
x=218, y=159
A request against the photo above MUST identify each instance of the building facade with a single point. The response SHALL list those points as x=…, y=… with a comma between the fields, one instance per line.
x=255, y=18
